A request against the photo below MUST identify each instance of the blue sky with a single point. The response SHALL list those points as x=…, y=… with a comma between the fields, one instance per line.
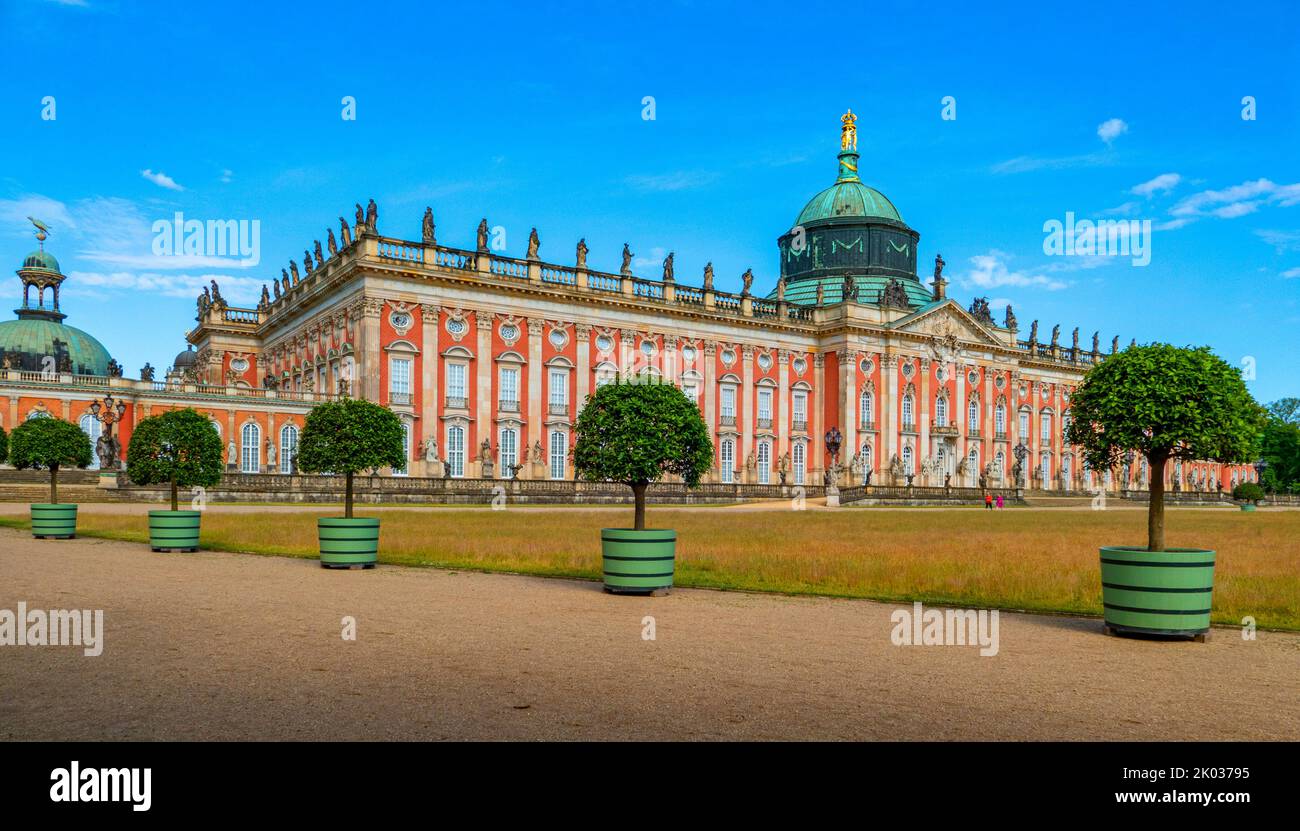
x=531, y=114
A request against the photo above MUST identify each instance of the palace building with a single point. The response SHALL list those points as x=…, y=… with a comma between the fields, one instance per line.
x=487, y=359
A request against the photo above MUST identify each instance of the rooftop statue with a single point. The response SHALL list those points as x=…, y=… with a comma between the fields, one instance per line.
x=849, y=132
x=979, y=309
x=293, y=269
x=668, y=268
x=306, y=261
x=1114, y=345
x=938, y=266
x=146, y=372
x=849, y=290
x=426, y=231
x=1074, y=345
x=1033, y=333
x=1056, y=335
x=582, y=253
x=780, y=289
x=1009, y=322
x=626, y=268
x=747, y=280
x=534, y=244
x=708, y=276
x=331, y=244
x=482, y=236
x=361, y=217
x=285, y=278
x=894, y=295
x=345, y=231
x=1096, y=336
x=320, y=255
x=372, y=216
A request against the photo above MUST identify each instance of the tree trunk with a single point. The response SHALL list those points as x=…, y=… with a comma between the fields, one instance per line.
x=54, y=484
x=174, y=500
x=638, y=495
x=347, y=499
x=1156, y=507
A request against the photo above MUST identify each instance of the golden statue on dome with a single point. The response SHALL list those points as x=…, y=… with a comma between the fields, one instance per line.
x=849, y=132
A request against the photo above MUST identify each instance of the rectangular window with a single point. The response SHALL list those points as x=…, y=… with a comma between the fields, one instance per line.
x=800, y=408
x=764, y=462
x=508, y=391
x=728, y=459
x=456, y=381
x=800, y=465
x=729, y=401
x=765, y=406
x=692, y=392
x=399, y=380
x=1045, y=427
x=559, y=390
x=559, y=453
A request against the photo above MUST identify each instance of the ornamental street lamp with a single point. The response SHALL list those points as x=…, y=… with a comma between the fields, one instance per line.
x=1021, y=453
x=1260, y=467
x=107, y=447
x=834, y=440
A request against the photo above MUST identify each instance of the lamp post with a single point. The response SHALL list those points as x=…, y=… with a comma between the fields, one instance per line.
x=1260, y=467
x=108, y=413
x=1021, y=453
x=834, y=440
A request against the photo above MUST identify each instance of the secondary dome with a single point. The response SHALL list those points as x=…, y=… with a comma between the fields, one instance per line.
x=848, y=198
x=185, y=359
x=39, y=335
x=24, y=344
x=41, y=259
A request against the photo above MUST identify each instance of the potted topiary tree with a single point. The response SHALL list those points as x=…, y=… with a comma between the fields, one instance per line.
x=182, y=449
x=1248, y=494
x=50, y=443
x=347, y=437
x=1166, y=403
x=635, y=433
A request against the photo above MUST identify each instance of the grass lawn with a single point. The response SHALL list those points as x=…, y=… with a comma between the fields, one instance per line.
x=1026, y=559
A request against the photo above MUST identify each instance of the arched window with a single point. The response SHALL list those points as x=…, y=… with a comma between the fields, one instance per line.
x=1045, y=426
x=1024, y=425
x=1000, y=419
x=764, y=461
x=559, y=453
x=1001, y=461
x=1066, y=469
x=1045, y=464
x=909, y=422
x=250, y=453
x=973, y=467
x=35, y=414
x=867, y=411
x=907, y=458
x=865, y=455
x=941, y=411
x=728, y=456
x=973, y=416
x=94, y=429
x=288, y=447
x=508, y=452
x=456, y=451
x=800, y=463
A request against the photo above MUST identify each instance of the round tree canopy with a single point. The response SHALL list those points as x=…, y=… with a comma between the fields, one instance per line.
x=635, y=432
x=43, y=443
x=349, y=436
x=180, y=446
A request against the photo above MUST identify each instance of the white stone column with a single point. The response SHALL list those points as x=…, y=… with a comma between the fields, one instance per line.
x=711, y=399
x=888, y=409
x=536, y=392
x=582, y=373
x=782, y=407
x=923, y=416
x=849, y=359
x=429, y=366
x=817, y=445
x=745, y=407
x=483, y=403
x=371, y=356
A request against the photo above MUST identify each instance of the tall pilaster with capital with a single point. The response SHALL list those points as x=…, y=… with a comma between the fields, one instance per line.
x=483, y=403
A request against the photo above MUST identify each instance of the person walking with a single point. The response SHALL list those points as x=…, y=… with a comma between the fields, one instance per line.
x=988, y=501
x=999, y=502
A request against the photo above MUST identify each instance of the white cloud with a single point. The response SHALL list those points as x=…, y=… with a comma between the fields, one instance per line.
x=1281, y=241
x=678, y=180
x=1026, y=164
x=1198, y=203
x=161, y=179
x=1291, y=273
x=1163, y=183
x=226, y=176
x=1111, y=129
x=991, y=270
x=239, y=290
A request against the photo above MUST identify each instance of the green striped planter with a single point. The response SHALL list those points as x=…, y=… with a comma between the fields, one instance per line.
x=348, y=543
x=1248, y=507
x=638, y=562
x=54, y=522
x=174, y=530
x=1157, y=592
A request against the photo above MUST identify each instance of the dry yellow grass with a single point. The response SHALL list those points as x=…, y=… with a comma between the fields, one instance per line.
x=1014, y=559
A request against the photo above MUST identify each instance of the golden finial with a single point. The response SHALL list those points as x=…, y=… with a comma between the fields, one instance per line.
x=848, y=133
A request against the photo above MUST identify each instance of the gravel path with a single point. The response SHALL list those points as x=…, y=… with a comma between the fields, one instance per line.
x=228, y=646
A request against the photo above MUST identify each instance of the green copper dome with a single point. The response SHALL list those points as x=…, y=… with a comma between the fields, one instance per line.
x=41, y=259
x=26, y=343
x=848, y=198
x=804, y=292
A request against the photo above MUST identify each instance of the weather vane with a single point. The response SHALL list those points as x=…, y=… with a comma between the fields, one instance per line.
x=42, y=230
